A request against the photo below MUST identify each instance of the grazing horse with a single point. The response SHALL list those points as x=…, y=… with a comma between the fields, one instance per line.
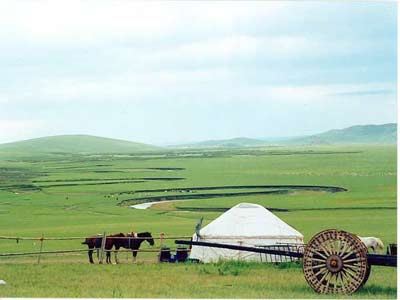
x=373, y=243
x=119, y=240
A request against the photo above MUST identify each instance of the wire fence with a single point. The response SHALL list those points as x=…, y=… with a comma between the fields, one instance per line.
x=162, y=249
x=101, y=250
x=80, y=238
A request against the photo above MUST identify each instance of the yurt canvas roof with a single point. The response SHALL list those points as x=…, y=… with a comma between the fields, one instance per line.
x=247, y=220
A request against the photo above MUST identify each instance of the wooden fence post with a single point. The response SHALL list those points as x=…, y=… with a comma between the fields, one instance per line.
x=239, y=252
x=41, y=248
x=103, y=245
x=129, y=246
x=161, y=239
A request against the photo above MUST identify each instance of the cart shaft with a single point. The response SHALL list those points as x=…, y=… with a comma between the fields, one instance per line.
x=241, y=248
x=382, y=260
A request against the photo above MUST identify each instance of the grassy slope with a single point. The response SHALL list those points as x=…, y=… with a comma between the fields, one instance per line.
x=74, y=144
x=369, y=173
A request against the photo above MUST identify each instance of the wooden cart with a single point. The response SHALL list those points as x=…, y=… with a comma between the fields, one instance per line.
x=334, y=261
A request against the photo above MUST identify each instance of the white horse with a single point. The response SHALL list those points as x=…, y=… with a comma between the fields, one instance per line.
x=373, y=243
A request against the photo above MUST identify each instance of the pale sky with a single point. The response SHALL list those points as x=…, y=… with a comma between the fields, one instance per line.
x=165, y=72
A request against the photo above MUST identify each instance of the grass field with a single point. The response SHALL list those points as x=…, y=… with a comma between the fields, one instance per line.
x=73, y=195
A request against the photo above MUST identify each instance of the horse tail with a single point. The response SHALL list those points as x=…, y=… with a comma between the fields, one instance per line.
x=84, y=243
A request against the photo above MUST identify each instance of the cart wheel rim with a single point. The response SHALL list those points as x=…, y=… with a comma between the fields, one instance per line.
x=335, y=261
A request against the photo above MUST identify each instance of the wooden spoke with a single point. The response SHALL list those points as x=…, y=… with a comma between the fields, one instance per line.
x=330, y=248
x=325, y=251
x=335, y=283
x=342, y=245
x=319, y=260
x=325, y=281
x=325, y=255
x=335, y=247
x=340, y=279
x=318, y=266
x=329, y=278
x=321, y=271
x=351, y=260
x=348, y=254
x=323, y=277
x=349, y=274
x=344, y=249
x=351, y=267
x=345, y=276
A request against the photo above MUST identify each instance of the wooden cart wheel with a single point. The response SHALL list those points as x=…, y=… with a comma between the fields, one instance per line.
x=335, y=261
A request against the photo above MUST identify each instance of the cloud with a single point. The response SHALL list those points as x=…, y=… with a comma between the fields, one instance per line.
x=80, y=24
x=66, y=22
x=189, y=86
x=95, y=22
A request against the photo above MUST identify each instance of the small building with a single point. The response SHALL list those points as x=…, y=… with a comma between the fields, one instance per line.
x=245, y=224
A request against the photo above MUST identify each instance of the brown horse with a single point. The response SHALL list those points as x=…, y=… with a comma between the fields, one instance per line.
x=118, y=240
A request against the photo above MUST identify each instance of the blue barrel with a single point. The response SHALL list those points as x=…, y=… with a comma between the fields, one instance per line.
x=165, y=255
x=181, y=254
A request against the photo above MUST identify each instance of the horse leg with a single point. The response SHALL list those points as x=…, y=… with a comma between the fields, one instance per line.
x=108, y=258
x=97, y=245
x=134, y=253
x=90, y=253
x=116, y=255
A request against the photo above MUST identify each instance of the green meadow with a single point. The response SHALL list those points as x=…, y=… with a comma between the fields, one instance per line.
x=77, y=195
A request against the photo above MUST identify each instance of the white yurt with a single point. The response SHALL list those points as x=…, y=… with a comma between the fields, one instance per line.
x=245, y=224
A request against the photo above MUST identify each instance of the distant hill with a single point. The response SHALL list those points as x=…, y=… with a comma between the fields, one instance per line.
x=360, y=134
x=74, y=144
x=228, y=143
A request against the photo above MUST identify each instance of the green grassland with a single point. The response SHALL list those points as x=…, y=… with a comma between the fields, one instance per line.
x=77, y=195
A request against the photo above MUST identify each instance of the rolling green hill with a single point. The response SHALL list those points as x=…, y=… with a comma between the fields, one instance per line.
x=74, y=144
x=360, y=134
